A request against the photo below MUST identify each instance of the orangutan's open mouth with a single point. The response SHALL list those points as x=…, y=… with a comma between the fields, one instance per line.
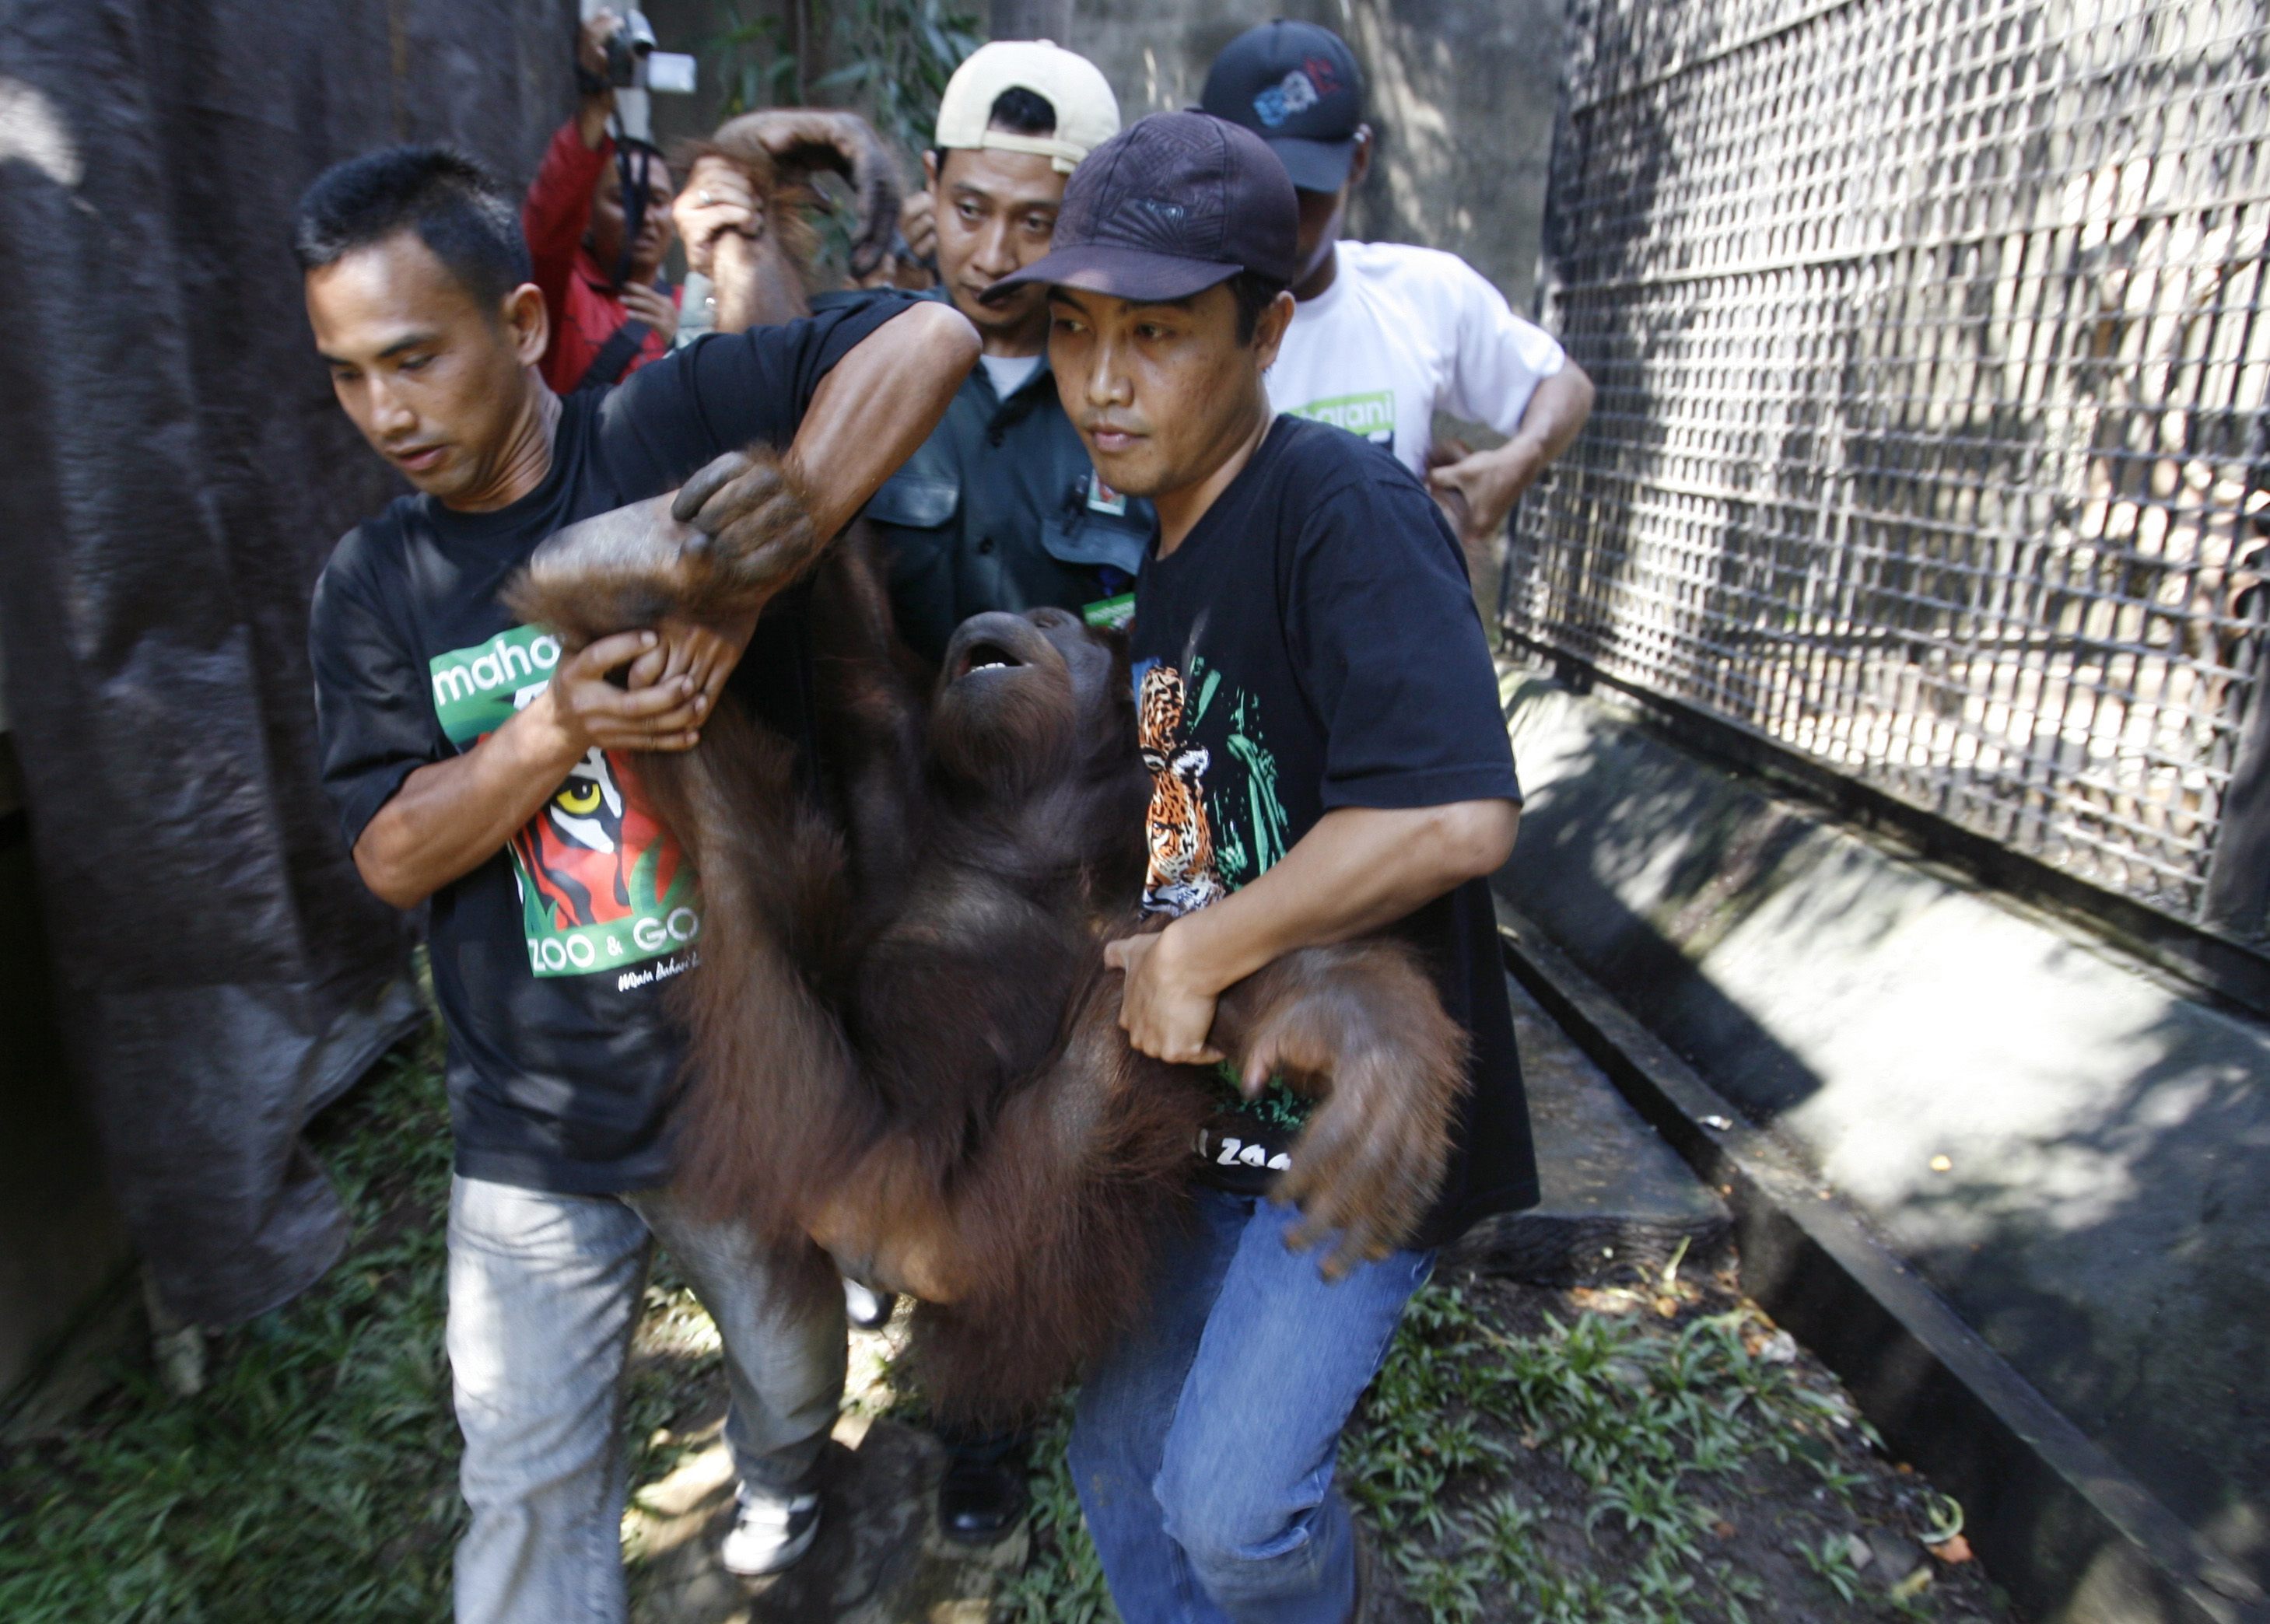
x=986, y=657
x=995, y=643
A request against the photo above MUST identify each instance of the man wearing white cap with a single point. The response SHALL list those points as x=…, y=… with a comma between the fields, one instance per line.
x=1001, y=508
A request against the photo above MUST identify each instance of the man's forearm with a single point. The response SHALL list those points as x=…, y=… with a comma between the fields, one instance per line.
x=449, y=819
x=875, y=407
x=1481, y=487
x=1556, y=411
x=1357, y=870
x=591, y=115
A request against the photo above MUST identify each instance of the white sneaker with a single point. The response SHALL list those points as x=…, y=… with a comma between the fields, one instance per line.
x=770, y=1534
x=866, y=1307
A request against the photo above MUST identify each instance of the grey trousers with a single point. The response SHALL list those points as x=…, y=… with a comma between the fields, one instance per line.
x=544, y=1292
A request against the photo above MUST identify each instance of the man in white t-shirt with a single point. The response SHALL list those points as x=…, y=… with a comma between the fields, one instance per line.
x=1384, y=335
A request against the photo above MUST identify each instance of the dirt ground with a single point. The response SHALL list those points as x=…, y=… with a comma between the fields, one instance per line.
x=1615, y=1456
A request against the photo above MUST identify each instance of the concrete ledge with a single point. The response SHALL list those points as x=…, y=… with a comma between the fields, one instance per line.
x=1613, y=1195
x=2069, y=1146
x=2075, y=1538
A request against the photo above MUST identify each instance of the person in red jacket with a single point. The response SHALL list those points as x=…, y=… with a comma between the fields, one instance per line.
x=576, y=221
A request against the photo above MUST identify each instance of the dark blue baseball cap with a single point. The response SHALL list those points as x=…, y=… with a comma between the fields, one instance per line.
x=1295, y=86
x=1166, y=208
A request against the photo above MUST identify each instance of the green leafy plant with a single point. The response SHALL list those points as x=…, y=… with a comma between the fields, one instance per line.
x=890, y=59
x=1062, y=1584
x=1831, y=1561
x=1946, y=1518
x=750, y=57
x=896, y=56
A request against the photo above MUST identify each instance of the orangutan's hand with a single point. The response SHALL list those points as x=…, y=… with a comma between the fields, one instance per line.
x=757, y=533
x=1360, y=1028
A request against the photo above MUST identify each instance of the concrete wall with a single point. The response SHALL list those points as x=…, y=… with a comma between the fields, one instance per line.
x=2102, y=1216
x=1463, y=94
x=1462, y=99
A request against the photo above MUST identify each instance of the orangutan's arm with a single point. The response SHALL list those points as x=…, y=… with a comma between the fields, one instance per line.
x=1269, y=977
x=767, y=521
x=1360, y=1027
x=763, y=522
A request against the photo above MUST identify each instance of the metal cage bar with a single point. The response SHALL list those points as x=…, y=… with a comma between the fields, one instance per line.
x=1931, y=439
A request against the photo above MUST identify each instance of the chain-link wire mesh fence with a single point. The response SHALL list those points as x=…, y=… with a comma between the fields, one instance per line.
x=1932, y=366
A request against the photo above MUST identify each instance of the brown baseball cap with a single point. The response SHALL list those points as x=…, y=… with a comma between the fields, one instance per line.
x=1168, y=207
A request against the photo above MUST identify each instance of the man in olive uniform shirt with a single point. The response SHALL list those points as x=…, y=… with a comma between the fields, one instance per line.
x=1001, y=508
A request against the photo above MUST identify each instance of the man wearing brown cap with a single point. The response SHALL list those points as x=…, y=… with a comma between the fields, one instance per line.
x=1321, y=713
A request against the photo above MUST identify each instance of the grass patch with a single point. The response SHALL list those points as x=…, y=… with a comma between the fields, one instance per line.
x=1523, y=1456
x=1062, y=1582
x=1603, y=1457
x=315, y=1478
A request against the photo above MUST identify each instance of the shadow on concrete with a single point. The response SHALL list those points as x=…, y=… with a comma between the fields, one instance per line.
x=2111, y=1241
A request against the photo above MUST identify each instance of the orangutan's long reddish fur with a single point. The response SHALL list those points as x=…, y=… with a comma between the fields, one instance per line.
x=904, y=1040
x=769, y=277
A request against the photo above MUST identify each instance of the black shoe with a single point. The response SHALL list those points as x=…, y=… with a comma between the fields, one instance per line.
x=980, y=1501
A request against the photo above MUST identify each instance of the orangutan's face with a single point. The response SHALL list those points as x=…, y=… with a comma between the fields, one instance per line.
x=1016, y=690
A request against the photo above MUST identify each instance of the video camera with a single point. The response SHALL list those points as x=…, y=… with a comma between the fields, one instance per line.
x=633, y=63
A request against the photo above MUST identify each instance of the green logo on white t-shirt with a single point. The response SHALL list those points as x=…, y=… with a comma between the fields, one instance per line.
x=1371, y=415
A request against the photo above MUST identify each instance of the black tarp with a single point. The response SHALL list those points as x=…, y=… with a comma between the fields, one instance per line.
x=175, y=472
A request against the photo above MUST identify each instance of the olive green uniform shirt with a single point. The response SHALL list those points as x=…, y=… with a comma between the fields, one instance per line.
x=1001, y=508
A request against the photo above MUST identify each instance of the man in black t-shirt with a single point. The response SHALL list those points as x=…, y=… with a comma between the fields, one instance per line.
x=1319, y=712
x=479, y=768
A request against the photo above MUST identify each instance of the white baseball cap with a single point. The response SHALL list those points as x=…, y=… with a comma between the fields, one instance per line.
x=1087, y=114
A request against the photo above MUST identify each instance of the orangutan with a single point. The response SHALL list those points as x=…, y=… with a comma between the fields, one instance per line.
x=904, y=1040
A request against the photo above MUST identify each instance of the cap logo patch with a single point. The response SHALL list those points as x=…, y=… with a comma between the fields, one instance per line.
x=1160, y=207
x=1296, y=93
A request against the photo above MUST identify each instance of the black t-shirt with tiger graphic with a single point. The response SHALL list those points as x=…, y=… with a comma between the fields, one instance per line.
x=1313, y=644
x=549, y=960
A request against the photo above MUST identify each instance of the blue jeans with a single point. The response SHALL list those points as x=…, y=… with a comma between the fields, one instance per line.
x=1203, y=1447
x=544, y=1291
